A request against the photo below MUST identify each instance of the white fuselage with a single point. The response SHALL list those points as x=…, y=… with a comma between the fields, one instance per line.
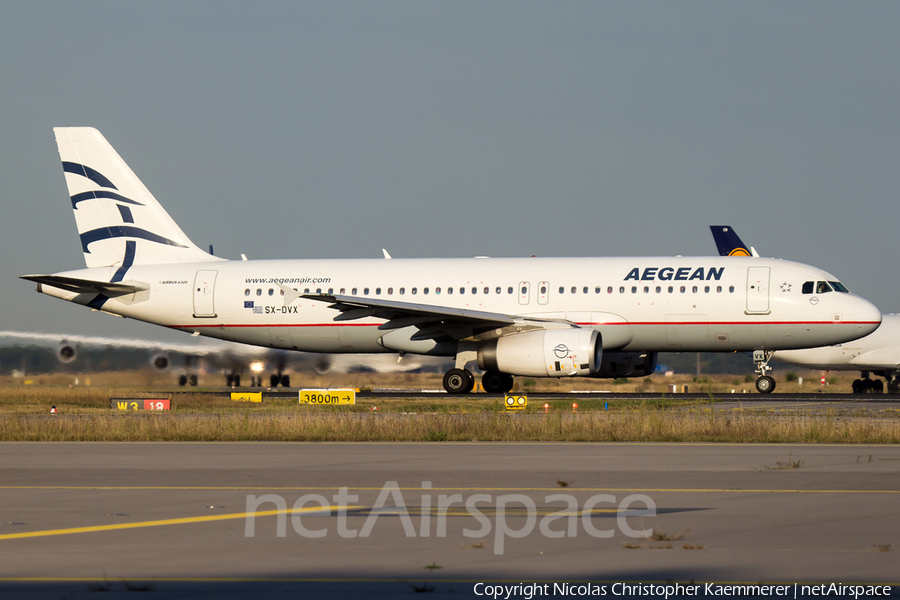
x=638, y=304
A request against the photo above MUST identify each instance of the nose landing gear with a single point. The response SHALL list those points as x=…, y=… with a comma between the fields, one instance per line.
x=764, y=383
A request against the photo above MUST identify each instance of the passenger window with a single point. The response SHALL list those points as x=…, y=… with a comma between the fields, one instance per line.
x=390, y=291
x=808, y=287
x=562, y=290
x=462, y=290
x=377, y=291
x=682, y=289
x=449, y=290
x=585, y=290
x=353, y=291
x=305, y=291
x=646, y=289
x=425, y=291
x=719, y=289
x=258, y=291
x=402, y=291
x=524, y=290
x=318, y=290
x=671, y=289
x=437, y=290
x=474, y=290
x=499, y=290
x=247, y=292
x=365, y=291
x=574, y=289
x=695, y=289
x=730, y=289
x=487, y=290
x=597, y=289
x=634, y=289
x=414, y=291
x=706, y=289
x=609, y=290
x=343, y=291
x=330, y=291
x=658, y=289
x=622, y=289
x=509, y=290
x=543, y=289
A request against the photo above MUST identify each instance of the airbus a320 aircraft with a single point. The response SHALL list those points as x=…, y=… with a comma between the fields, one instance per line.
x=536, y=317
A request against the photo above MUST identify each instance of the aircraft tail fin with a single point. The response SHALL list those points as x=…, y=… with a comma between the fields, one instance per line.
x=729, y=243
x=119, y=221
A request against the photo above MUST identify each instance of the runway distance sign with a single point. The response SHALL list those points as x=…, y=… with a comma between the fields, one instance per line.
x=327, y=397
x=152, y=404
x=246, y=396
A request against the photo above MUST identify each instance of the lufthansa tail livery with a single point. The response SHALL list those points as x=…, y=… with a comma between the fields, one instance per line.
x=535, y=317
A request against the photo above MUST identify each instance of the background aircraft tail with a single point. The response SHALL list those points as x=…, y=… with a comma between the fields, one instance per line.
x=119, y=221
x=729, y=243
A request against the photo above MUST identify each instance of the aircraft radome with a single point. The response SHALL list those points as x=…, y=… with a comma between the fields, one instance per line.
x=535, y=317
x=878, y=352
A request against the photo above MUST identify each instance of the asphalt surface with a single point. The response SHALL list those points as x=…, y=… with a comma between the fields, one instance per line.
x=86, y=520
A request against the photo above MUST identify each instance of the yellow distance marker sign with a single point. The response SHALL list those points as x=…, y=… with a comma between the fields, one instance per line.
x=327, y=397
x=246, y=396
x=516, y=402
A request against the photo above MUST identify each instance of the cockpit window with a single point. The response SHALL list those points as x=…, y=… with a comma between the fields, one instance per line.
x=808, y=287
x=839, y=287
x=822, y=287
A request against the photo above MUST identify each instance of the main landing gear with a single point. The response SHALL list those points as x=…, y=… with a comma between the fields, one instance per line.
x=764, y=383
x=864, y=385
x=461, y=381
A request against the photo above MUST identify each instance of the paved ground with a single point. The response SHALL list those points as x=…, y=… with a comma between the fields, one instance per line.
x=85, y=520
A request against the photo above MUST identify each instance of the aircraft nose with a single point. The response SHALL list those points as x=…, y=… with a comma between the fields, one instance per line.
x=866, y=315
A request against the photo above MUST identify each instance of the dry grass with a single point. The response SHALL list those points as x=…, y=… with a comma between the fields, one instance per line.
x=663, y=425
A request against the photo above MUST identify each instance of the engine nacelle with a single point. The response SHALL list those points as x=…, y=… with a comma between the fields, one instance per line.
x=544, y=353
x=66, y=353
x=160, y=362
x=627, y=364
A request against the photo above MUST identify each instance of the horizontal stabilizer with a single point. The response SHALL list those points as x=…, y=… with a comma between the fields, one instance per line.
x=89, y=286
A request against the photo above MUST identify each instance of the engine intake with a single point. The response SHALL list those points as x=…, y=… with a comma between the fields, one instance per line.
x=546, y=353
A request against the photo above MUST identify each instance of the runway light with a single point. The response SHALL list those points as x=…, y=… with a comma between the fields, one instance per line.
x=257, y=367
x=53, y=410
x=374, y=408
x=574, y=407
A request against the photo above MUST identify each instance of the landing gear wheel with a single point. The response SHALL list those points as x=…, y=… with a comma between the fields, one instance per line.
x=193, y=380
x=496, y=383
x=877, y=386
x=458, y=381
x=765, y=385
x=893, y=386
x=182, y=380
x=285, y=381
x=274, y=380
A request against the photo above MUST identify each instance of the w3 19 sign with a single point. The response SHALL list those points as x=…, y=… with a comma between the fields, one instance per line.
x=152, y=404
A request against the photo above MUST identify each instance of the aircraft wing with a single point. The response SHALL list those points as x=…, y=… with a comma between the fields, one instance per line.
x=433, y=322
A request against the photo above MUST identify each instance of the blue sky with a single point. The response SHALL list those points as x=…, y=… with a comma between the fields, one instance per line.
x=333, y=129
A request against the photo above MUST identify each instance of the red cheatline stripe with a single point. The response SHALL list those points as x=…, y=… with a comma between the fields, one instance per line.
x=220, y=325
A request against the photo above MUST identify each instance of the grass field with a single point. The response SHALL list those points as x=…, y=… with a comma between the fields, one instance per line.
x=85, y=414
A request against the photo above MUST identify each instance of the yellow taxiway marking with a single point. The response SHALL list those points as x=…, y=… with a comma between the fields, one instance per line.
x=182, y=521
x=442, y=489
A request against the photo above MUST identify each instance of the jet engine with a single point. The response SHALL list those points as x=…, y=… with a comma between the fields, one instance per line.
x=627, y=364
x=160, y=362
x=66, y=353
x=545, y=353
